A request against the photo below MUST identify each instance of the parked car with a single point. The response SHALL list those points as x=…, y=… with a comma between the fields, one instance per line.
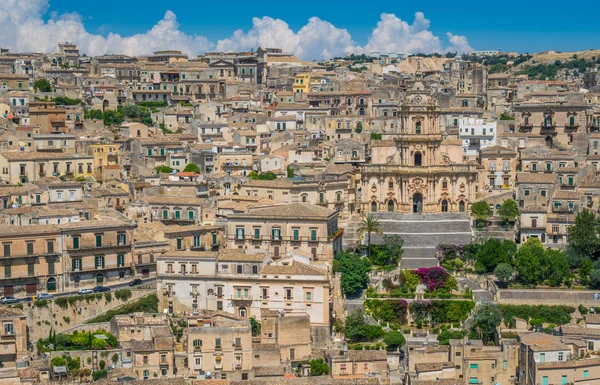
x=100, y=289
x=85, y=291
x=8, y=300
x=135, y=282
x=45, y=296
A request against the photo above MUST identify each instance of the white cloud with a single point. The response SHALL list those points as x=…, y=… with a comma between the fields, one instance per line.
x=392, y=34
x=24, y=29
x=317, y=39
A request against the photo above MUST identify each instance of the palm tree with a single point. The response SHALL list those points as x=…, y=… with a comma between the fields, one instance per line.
x=369, y=225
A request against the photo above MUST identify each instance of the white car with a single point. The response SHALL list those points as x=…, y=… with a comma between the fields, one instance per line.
x=85, y=291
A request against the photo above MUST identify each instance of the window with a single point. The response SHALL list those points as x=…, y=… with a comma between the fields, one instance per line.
x=563, y=380
x=9, y=328
x=473, y=380
x=179, y=244
x=542, y=357
x=560, y=356
x=217, y=343
x=98, y=240
x=474, y=366
x=120, y=260
x=239, y=269
x=29, y=248
x=586, y=374
x=313, y=234
x=257, y=233
x=296, y=233
x=276, y=234
x=75, y=243
x=7, y=249
x=99, y=262
x=50, y=247
x=308, y=296
x=76, y=264
x=7, y=271
x=121, y=239
x=239, y=233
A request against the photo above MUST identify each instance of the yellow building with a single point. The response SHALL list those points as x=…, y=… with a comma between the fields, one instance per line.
x=104, y=155
x=302, y=84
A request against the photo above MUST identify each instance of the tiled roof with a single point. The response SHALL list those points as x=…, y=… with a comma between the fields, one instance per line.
x=295, y=268
x=275, y=183
x=287, y=211
x=536, y=177
x=233, y=256
x=173, y=200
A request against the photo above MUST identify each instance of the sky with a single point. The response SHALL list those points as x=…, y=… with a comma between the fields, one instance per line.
x=310, y=29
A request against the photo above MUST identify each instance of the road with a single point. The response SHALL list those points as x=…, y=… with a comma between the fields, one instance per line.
x=480, y=295
x=116, y=286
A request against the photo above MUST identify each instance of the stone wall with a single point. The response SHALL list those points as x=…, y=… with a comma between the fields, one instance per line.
x=41, y=319
x=549, y=297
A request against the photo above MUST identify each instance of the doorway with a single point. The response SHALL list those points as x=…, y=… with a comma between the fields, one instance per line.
x=417, y=203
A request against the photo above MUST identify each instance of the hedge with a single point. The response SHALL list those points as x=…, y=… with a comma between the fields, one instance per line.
x=560, y=314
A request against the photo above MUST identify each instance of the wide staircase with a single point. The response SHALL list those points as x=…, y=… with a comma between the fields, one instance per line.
x=422, y=233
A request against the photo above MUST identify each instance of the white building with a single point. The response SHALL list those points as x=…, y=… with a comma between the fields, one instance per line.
x=476, y=134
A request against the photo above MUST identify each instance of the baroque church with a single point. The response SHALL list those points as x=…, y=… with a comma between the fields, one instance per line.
x=416, y=169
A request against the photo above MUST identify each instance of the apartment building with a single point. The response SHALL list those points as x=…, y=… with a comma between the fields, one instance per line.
x=476, y=134
x=242, y=284
x=31, y=260
x=25, y=167
x=97, y=252
x=285, y=228
x=14, y=338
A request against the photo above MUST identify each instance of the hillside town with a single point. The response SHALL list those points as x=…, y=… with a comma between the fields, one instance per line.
x=253, y=218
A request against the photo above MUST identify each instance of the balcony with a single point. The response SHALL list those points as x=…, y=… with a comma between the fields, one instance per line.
x=105, y=246
x=548, y=129
x=241, y=299
x=98, y=269
x=525, y=127
x=238, y=366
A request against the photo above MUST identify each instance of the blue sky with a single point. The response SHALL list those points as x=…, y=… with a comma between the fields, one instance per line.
x=525, y=26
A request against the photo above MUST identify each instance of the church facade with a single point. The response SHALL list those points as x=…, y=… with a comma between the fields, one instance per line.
x=416, y=169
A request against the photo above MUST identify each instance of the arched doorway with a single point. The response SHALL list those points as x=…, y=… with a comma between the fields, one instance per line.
x=461, y=206
x=418, y=159
x=549, y=141
x=105, y=104
x=373, y=207
x=417, y=203
x=444, y=206
x=391, y=206
x=51, y=284
x=99, y=279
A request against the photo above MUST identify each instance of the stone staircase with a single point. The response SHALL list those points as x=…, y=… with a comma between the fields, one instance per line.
x=422, y=233
x=496, y=230
x=351, y=236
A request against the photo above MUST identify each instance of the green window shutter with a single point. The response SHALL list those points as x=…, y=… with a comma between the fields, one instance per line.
x=296, y=234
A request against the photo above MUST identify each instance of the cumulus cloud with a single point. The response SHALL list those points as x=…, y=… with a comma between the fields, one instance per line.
x=317, y=39
x=393, y=34
x=24, y=29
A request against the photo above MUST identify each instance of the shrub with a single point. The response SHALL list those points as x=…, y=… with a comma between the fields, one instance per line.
x=40, y=303
x=63, y=302
x=559, y=315
x=67, y=319
x=148, y=304
x=114, y=358
x=108, y=297
x=99, y=344
x=98, y=374
x=123, y=294
x=58, y=361
x=434, y=278
x=447, y=335
x=102, y=364
x=394, y=340
x=89, y=360
x=318, y=367
x=582, y=309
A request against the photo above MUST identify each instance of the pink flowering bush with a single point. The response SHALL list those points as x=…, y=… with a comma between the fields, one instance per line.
x=432, y=277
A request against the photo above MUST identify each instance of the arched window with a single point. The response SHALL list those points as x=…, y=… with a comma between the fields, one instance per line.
x=304, y=198
x=418, y=127
x=444, y=206
x=418, y=159
x=391, y=206
x=242, y=312
x=391, y=184
x=445, y=184
x=361, y=111
x=374, y=207
x=548, y=121
x=361, y=101
x=464, y=103
x=51, y=284
x=461, y=206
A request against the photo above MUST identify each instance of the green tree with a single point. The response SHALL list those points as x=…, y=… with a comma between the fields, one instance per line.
x=394, y=340
x=255, y=327
x=59, y=361
x=503, y=272
x=164, y=169
x=354, y=271
x=595, y=278
x=102, y=364
x=318, y=367
x=290, y=172
x=191, y=167
x=99, y=344
x=114, y=358
x=389, y=252
x=482, y=210
x=505, y=116
x=369, y=225
x=357, y=329
x=528, y=261
x=42, y=85
x=490, y=254
x=555, y=267
x=509, y=210
x=583, y=235
x=486, y=318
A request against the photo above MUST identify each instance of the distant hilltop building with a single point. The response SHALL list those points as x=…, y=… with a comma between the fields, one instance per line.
x=389, y=55
x=489, y=52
